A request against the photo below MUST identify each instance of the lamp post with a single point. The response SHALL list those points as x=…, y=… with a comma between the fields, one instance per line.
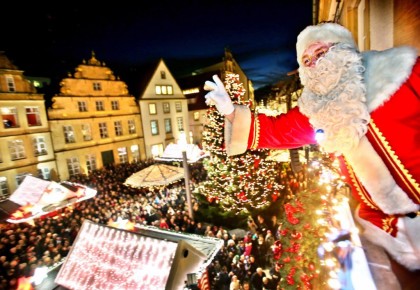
x=182, y=142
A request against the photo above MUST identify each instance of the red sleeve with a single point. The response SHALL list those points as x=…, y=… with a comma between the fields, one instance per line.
x=285, y=131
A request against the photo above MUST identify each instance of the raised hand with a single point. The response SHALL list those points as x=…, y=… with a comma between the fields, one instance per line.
x=218, y=96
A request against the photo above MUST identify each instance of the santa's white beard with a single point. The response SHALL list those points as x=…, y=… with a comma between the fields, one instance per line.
x=334, y=100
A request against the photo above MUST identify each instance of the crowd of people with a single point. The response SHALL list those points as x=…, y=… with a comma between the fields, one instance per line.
x=243, y=263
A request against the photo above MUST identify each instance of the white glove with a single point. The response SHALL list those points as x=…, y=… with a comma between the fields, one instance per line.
x=218, y=96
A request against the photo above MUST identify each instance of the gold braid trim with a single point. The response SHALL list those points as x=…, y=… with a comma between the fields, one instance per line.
x=256, y=136
x=361, y=191
x=395, y=162
x=387, y=224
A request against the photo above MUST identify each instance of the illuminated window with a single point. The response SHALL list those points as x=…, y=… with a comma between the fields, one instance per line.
x=39, y=145
x=122, y=154
x=100, y=106
x=103, y=130
x=166, y=107
x=73, y=166
x=97, y=86
x=180, y=123
x=168, y=126
x=135, y=153
x=9, y=117
x=86, y=132
x=164, y=90
x=4, y=189
x=178, y=106
x=115, y=105
x=69, y=134
x=152, y=109
x=196, y=116
x=131, y=127
x=20, y=177
x=33, y=116
x=118, y=128
x=16, y=149
x=10, y=83
x=91, y=162
x=44, y=173
x=82, y=106
x=154, y=127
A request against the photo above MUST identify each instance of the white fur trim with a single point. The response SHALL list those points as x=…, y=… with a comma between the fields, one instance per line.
x=385, y=72
x=324, y=32
x=404, y=248
x=237, y=133
x=378, y=181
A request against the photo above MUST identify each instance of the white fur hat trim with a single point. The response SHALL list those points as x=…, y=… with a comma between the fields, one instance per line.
x=324, y=32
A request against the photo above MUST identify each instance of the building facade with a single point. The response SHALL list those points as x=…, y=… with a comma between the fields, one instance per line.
x=25, y=142
x=164, y=111
x=94, y=121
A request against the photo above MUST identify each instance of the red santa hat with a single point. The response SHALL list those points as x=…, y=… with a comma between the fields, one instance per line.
x=324, y=32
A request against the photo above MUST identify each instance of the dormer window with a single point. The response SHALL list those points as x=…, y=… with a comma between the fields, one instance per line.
x=10, y=83
x=97, y=86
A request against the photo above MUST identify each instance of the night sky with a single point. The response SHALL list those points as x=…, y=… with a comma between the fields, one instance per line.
x=51, y=40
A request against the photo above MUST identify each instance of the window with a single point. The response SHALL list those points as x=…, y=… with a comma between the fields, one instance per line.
x=91, y=162
x=97, y=86
x=180, y=123
x=157, y=150
x=166, y=107
x=16, y=149
x=122, y=154
x=44, y=173
x=168, y=126
x=196, y=116
x=20, y=177
x=154, y=127
x=86, y=132
x=10, y=83
x=69, y=134
x=100, y=106
x=115, y=105
x=33, y=116
x=73, y=166
x=135, y=153
x=152, y=109
x=162, y=74
x=178, y=106
x=82, y=106
x=131, y=127
x=118, y=128
x=39, y=145
x=9, y=116
x=4, y=189
x=164, y=90
x=103, y=130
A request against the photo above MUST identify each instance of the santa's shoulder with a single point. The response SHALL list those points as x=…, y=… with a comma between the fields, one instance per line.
x=386, y=71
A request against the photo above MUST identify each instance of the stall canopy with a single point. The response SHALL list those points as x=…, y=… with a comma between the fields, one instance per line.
x=36, y=197
x=155, y=175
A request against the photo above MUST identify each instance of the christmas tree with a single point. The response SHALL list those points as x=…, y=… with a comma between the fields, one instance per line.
x=242, y=182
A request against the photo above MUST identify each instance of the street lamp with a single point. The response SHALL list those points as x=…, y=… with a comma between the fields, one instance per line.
x=182, y=142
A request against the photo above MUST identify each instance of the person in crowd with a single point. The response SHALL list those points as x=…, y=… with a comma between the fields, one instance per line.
x=257, y=279
x=351, y=107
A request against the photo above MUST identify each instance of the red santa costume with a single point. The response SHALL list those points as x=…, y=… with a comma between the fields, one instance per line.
x=375, y=127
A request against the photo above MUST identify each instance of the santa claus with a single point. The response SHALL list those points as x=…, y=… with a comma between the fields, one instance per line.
x=367, y=105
